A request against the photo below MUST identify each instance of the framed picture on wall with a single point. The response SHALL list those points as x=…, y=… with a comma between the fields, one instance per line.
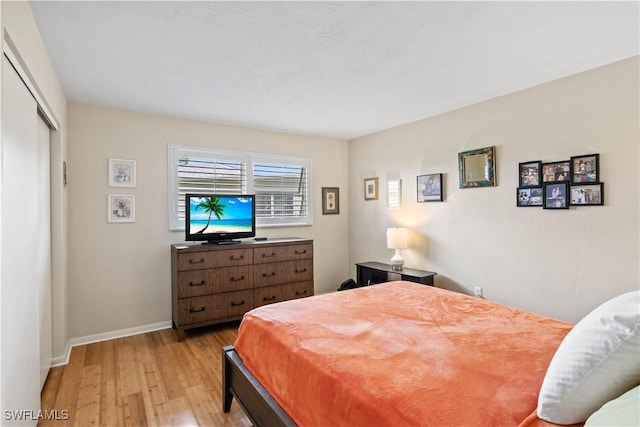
x=529, y=197
x=121, y=208
x=556, y=171
x=122, y=173
x=429, y=188
x=530, y=174
x=330, y=200
x=371, y=188
x=585, y=169
x=587, y=194
x=556, y=195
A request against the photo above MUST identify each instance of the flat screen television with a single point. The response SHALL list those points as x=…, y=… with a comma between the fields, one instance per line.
x=219, y=218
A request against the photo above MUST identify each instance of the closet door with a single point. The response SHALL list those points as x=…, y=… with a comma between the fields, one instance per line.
x=43, y=253
x=19, y=234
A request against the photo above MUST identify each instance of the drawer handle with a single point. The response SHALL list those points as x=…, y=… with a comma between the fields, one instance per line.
x=192, y=261
x=301, y=252
x=237, y=279
x=301, y=293
x=268, y=299
x=202, y=282
x=193, y=310
x=304, y=270
x=268, y=274
x=236, y=258
x=271, y=255
x=235, y=304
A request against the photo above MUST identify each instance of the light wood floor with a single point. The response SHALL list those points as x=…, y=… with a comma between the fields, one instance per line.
x=144, y=380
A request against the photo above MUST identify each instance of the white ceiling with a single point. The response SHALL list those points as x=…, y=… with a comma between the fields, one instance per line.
x=338, y=69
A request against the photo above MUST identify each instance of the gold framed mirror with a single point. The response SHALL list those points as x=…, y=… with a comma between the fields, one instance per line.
x=477, y=168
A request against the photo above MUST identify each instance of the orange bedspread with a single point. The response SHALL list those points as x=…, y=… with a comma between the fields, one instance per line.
x=399, y=354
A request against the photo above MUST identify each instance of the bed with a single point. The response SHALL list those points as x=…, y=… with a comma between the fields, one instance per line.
x=397, y=353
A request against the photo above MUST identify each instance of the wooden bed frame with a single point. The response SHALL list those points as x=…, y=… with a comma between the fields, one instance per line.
x=255, y=400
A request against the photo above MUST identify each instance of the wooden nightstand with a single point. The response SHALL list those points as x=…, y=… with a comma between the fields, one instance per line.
x=371, y=273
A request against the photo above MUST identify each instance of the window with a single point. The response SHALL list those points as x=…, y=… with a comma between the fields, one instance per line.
x=281, y=183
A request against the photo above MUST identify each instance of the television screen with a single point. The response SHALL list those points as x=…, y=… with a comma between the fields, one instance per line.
x=219, y=218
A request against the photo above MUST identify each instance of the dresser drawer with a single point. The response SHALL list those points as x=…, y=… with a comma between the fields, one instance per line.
x=217, y=306
x=282, y=253
x=299, y=290
x=270, y=294
x=228, y=279
x=277, y=293
x=236, y=303
x=282, y=272
x=197, y=309
x=194, y=283
x=193, y=261
x=229, y=258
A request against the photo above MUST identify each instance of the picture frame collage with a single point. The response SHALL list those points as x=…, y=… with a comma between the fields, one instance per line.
x=560, y=184
x=121, y=207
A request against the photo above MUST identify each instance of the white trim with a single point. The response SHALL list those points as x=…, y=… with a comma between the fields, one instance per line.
x=105, y=336
x=19, y=65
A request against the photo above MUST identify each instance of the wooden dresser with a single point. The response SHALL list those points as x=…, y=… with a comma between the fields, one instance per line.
x=219, y=283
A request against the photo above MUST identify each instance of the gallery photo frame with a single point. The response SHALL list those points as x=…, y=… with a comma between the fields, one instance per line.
x=529, y=197
x=587, y=194
x=556, y=171
x=122, y=173
x=530, y=174
x=429, y=188
x=556, y=195
x=121, y=208
x=585, y=169
x=330, y=200
x=371, y=190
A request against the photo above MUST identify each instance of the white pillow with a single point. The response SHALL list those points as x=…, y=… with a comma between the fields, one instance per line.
x=621, y=412
x=597, y=361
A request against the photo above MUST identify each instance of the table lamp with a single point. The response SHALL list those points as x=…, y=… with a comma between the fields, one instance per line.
x=397, y=239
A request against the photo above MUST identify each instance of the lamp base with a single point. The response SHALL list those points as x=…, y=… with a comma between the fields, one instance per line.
x=397, y=261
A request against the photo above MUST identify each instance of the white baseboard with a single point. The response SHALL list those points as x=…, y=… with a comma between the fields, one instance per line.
x=89, y=339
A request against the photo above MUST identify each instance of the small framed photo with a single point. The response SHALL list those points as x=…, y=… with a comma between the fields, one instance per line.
x=330, y=200
x=556, y=195
x=587, y=194
x=429, y=188
x=585, y=169
x=371, y=188
x=121, y=208
x=530, y=174
x=556, y=171
x=529, y=197
x=122, y=173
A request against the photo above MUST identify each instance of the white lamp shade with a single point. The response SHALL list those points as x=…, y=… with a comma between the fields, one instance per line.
x=397, y=238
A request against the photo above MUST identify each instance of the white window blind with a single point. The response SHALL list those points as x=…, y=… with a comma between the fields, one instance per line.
x=281, y=183
x=281, y=190
x=199, y=175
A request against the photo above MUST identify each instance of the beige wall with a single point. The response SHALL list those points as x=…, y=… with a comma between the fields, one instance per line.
x=561, y=263
x=119, y=274
x=19, y=24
